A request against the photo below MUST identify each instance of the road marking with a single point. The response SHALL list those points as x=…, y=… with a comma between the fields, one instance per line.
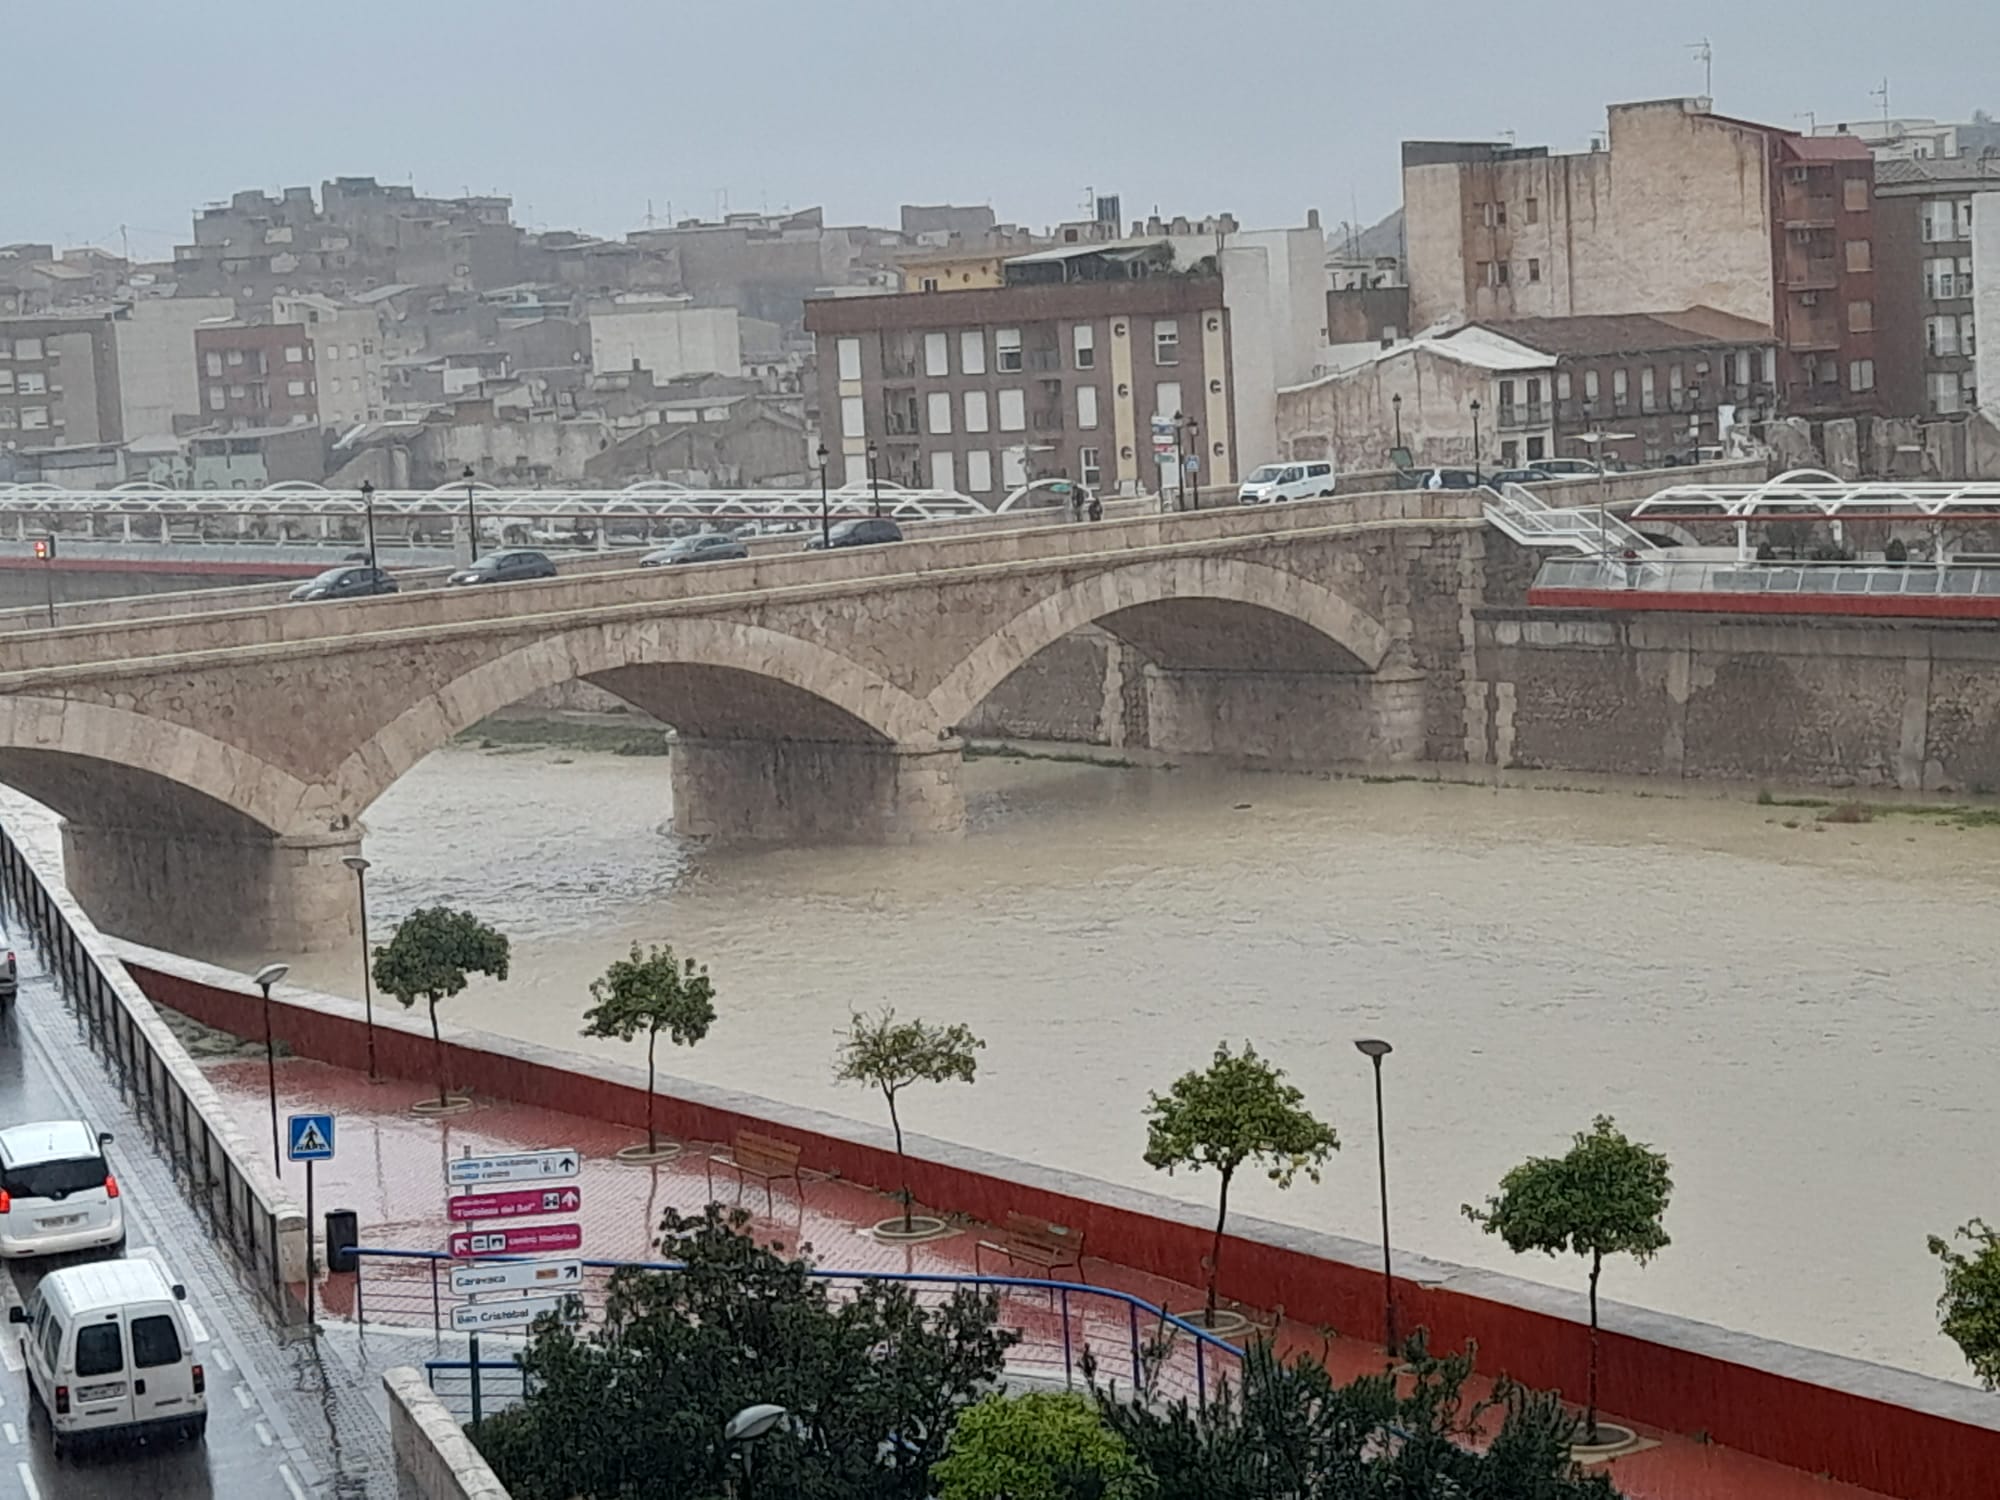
x=10, y=1355
x=34, y=1491
x=243, y=1395
x=221, y=1356
x=284, y=1473
x=264, y=1434
x=12, y=1435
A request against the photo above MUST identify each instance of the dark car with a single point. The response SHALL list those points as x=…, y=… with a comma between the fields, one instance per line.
x=867, y=531
x=345, y=583
x=1439, y=479
x=511, y=566
x=710, y=546
x=10, y=975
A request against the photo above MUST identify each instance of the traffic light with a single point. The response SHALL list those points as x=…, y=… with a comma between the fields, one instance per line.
x=45, y=548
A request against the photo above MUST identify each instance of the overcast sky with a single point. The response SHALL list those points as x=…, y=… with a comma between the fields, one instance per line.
x=132, y=114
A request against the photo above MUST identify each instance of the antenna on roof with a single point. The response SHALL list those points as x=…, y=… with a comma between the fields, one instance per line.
x=1882, y=93
x=1811, y=119
x=1705, y=55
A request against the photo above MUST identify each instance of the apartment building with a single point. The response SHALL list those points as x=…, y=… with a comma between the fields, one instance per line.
x=1674, y=207
x=1986, y=298
x=987, y=389
x=346, y=354
x=1929, y=328
x=256, y=375
x=59, y=382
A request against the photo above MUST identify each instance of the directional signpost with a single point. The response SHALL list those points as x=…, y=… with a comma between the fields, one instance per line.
x=514, y=1312
x=472, y=1207
x=517, y=1276
x=519, y=1239
x=310, y=1139
x=528, y=1166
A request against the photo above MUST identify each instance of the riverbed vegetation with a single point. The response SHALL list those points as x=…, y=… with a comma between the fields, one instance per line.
x=1851, y=810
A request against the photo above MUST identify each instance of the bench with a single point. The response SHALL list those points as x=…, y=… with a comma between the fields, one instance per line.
x=1041, y=1244
x=763, y=1157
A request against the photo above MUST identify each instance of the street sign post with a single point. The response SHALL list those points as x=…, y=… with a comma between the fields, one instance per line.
x=473, y=1207
x=527, y=1166
x=310, y=1139
x=517, y=1276
x=519, y=1239
x=513, y=1312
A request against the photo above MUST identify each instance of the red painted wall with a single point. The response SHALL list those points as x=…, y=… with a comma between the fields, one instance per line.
x=1819, y=1429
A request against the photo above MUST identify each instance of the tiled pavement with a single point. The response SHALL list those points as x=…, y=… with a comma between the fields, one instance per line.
x=390, y=1170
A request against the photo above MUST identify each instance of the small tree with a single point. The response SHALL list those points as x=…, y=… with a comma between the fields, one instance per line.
x=652, y=992
x=1969, y=1310
x=1606, y=1196
x=1045, y=1445
x=1240, y=1110
x=430, y=956
x=881, y=1052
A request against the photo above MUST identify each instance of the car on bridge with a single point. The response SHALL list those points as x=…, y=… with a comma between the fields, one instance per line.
x=863, y=531
x=1438, y=479
x=344, y=583
x=1517, y=476
x=1567, y=468
x=513, y=565
x=708, y=546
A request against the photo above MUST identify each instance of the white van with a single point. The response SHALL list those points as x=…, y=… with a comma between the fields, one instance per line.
x=1299, y=481
x=109, y=1353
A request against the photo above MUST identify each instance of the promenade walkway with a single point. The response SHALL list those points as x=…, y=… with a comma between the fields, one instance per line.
x=390, y=1169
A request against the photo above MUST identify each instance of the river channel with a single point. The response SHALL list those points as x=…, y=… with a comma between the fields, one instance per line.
x=1801, y=1016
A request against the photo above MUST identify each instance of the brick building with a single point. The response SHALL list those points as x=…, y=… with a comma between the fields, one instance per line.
x=256, y=375
x=1927, y=364
x=59, y=381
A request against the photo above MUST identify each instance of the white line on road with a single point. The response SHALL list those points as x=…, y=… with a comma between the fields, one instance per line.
x=264, y=1434
x=34, y=1491
x=12, y=1435
x=10, y=1354
x=221, y=1357
x=243, y=1395
x=284, y=1473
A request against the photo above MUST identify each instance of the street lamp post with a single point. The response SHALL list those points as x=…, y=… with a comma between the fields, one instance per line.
x=368, y=509
x=267, y=976
x=825, y=524
x=1396, y=404
x=359, y=866
x=874, y=481
x=743, y=1431
x=471, y=517
x=1475, y=441
x=1375, y=1050
x=1180, y=461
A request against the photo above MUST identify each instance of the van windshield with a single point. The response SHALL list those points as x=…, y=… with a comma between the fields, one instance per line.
x=55, y=1179
x=1269, y=474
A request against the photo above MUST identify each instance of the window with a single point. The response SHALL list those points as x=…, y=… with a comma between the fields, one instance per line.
x=1647, y=398
x=1771, y=366
x=849, y=352
x=1086, y=406
x=7, y=417
x=1562, y=385
x=1742, y=366
x=1938, y=222
x=1620, y=387
x=6, y=382
x=1534, y=269
x=213, y=363
x=1007, y=350
x=940, y=414
x=937, y=354
x=1940, y=336
x=1166, y=341
x=6, y=348
x=235, y=356
x=1855, y=193
x=1534, y=214
x=295, y=388
x=34, y=418
x=155, y=1341
x=1859, y=255
x=1013, y=467
x=853, y=417
x=1510, y=454
x=27, y=348
x=1167, y=398
x=1090, y=469
x=943, y=472
x=352, y=352
x=99, y=1350
x=972, y=352
x=333, y=351
x=1537, y=448
x=1534, y=393
x=1860, y=317
x=854, y=469
x=294, y=354
x=1013, y=408
x=1967, y=329
x=1674, y=386
x=1494, y=215
x=979, y=471
x=1083, y=340
x=1590, y=385
x=216, y=397
x=928, y=284
x=1495, y=272
x=33, y=383
x=975, y=411
x=334, y=388
x=1861, y=375
x=1506, y=400
x=238, y=392
x=1946, y=393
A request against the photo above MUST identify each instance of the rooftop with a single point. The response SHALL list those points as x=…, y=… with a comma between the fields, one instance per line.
x=1625, y=333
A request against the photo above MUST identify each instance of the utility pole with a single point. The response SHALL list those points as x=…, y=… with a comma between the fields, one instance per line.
x=1882, y=93
x=1705, y=55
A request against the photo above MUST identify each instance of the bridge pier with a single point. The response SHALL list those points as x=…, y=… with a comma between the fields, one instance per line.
x=1286, y=718
x=815, y=791
x=215, y=895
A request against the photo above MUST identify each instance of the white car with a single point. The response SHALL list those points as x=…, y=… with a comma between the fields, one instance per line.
x=1294, y=481
x=57, y=1193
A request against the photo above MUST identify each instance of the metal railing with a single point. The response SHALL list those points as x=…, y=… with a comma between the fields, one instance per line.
x=1592, y=529
x=1851, y=579
x=1058, y=1321
x=244, y=1208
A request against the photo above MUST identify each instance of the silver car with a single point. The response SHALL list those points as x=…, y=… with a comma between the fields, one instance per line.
x=57, y=1192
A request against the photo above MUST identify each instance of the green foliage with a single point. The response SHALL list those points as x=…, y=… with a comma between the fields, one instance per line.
x=1240, y=1110
x=635, y=1410
x=883, y=1053
x=429, y=958
x=651, y=991
x=1969, y=1310
x=1041, y=1446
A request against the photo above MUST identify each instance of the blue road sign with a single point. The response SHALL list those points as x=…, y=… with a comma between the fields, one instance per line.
x=310, y=1137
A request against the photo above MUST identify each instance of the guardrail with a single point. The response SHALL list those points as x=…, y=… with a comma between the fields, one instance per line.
x=244, y=1205
x=1058, y=1321
x=1926, y=580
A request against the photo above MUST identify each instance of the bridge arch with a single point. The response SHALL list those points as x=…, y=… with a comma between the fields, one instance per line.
x=1120, y=597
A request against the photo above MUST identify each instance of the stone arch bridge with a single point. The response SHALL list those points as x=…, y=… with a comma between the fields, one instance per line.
x=214, y=768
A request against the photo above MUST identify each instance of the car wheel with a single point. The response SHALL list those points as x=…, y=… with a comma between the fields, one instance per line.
x=197, y=1430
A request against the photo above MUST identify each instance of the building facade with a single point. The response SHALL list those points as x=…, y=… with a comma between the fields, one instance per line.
x=1986, y=300
x=347, y=355
x=59, y=382
x=983, y=391
x=256, y=375
x=668, y=336
x=1930, y=329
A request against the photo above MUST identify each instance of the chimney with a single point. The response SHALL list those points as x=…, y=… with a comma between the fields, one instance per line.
x=1312, y=218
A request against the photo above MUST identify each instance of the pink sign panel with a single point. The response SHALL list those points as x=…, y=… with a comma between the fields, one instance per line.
x=515, y=1205
x=522, y=1239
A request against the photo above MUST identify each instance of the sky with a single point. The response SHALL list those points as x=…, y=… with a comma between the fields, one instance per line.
x=589, y=112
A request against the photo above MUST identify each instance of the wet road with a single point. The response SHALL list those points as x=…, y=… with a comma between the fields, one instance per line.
x=252, y=1451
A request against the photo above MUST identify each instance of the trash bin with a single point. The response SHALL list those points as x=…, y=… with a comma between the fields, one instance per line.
x=343, y=1233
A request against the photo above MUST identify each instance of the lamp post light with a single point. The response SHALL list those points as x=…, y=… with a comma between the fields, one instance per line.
x=267, y=976
x=368, y=510
x=1396, y=405
x=1375, y=1050
x=825, y=525
x=874, y=480
x=1475, y=441
x=745, y=1428
x=359, y=866
x=471, y=517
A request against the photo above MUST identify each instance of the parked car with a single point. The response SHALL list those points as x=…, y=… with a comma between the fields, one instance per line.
x=110, y=1353
x=10, y=973
x=1566, y=468
x=57, y=1193
x=865, y=531
x=1438, y=479
x=513, y=565
x=1517, y=476
x=710, y=546
x=344, y=583
x=1299, y=481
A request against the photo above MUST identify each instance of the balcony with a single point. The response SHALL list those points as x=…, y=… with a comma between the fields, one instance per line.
x=1812, y=336
x=1523, y=416
x=1046, y=419
x=902, y=424
x=1816, y=275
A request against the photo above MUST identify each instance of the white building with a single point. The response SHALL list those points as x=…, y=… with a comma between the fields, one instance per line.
x=1986, y=300
x=1892, y=140
x=347, y=354
x=669, y=336
x=156, y=369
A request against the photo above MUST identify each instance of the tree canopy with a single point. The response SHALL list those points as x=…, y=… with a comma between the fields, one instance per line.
x=884, y=1053
x=652, y=991
x=1969, y=1309
x=430, y=957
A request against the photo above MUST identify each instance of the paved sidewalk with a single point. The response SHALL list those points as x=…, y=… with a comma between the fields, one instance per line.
x=390, y=1170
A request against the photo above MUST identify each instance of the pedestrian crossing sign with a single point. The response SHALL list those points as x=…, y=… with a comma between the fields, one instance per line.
x=311, y=1138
